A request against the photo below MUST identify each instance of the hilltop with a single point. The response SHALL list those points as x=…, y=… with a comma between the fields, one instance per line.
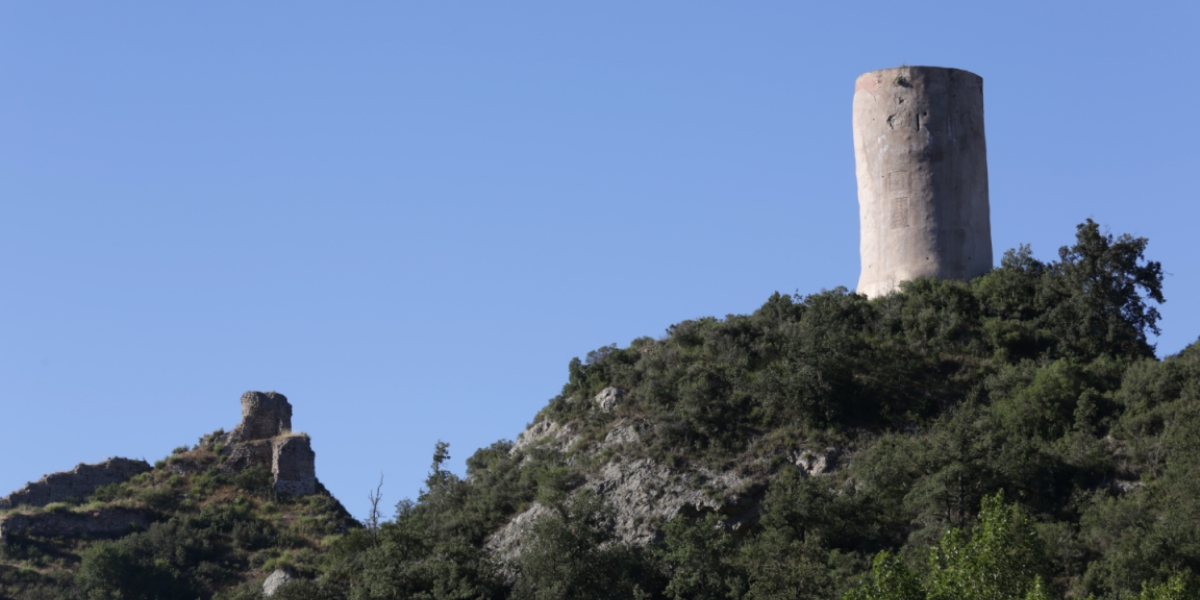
x=1009, y=437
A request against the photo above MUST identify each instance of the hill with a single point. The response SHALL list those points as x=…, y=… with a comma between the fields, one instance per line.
x=1009, y=437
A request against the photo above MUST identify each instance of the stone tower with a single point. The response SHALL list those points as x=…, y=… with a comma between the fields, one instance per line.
x=264, y=438
x=921, y=162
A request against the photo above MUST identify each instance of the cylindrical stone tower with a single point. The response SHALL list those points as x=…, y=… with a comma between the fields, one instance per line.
x=921, y=163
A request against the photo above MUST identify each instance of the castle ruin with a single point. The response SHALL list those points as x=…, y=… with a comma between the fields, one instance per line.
x=264, y=437
x=921, y=163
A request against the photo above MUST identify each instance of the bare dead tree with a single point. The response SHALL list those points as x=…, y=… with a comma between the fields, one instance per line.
x=373, y=517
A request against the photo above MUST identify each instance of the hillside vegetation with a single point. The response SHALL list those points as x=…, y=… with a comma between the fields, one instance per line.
x=1009, y=437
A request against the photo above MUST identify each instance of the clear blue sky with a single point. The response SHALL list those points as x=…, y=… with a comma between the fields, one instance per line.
x=408, y=217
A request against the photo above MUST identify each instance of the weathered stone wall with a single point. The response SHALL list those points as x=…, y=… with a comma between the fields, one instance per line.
x=96, y=523
x=77, y=483
x=293, y=465
x=264, y=416
x=921, y=162
x=244, y=455
x=264, y=438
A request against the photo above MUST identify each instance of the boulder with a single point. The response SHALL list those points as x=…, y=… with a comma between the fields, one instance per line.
x=276, y=579
x=608, y=398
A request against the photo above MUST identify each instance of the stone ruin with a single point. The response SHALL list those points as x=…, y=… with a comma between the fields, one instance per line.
x=264, y=438
x=76, y=484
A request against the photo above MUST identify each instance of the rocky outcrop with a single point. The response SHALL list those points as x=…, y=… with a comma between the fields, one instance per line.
x=643, y=492
x=276, y=579
x=646, y=494
x=104, y=522
x=816, y=463
x=264, y=438
x=76, y=484
x=548, y=433
x=505, y=543
x=608, y=398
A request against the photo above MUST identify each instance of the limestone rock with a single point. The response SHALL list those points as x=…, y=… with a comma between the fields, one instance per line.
x=67, y=523
x=505, y=543
x=547, y=432
x=277, y=579
x=644, y=492
x=77, y=483
x=293, y=465
x=816, y=463
x=608, y=398
x=623, y=433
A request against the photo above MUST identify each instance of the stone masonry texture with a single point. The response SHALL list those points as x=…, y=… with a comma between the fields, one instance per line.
x=264, y=415
x=921, y=163
x=293, y=464
x=78, y=483
x=264, y=438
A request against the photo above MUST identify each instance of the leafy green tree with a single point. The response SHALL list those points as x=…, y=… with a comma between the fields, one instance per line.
x=1181, y=586
x=1096, y=299
x=406, y=566
x=699, y=556
x=573, y=554
x=1001, y=560
x=890, y=579
x=791, y=557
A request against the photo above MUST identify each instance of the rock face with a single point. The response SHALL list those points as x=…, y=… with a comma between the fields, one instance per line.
x=277, y=579
x=608, y=398
x=642, y=492
x=96, y=523
x=264, y=438
x=921, y=163
x=77, y=484
x=545, y=432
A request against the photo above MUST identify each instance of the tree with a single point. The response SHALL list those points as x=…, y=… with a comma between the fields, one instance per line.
x=699, y=557
x=573, y=554
x=1001, y=560
x=1095, y=293
x=890, y=579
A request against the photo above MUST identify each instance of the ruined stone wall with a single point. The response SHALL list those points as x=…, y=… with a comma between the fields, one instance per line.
x=264, y=415
x=264, y=438
x=76, y=484
x=95, y=523
x=921, y=162
x=293, y=465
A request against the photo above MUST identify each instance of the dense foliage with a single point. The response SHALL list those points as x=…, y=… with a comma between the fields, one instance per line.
x=1009, y=437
